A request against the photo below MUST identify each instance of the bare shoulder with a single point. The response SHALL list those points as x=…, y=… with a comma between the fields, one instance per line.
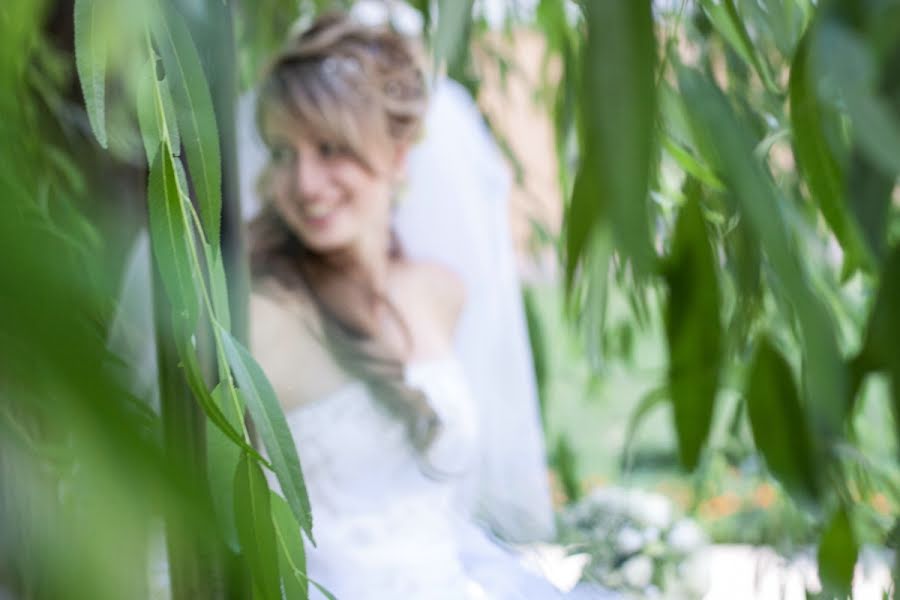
x=444, y=289
x=286, y=339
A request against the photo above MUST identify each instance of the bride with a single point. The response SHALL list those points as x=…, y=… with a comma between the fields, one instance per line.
x=357, y=337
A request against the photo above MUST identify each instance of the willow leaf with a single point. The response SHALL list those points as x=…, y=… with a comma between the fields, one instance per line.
x=879, y=351
x=219, y=288
x=90, y=61
x=618, y=113
x=453, y=17
x=273, y=428
x=691, y=165
x=291, y=554
x=693, y=330
x=838, y=551
x=255, y=531
x=728, y=22
x=779, y=424
x=816, y=160
x=761, y=205
x=156, y=114
x=227, y=421
x=171, y=238
x=222, y=460
x=196, y=119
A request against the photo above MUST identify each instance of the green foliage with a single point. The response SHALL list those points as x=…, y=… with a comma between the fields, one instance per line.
x=781, y=255
x=838, y=551
x=196, y=118
x=253, y=513
x=449, y=39
x=172, y=239
x=616, y=131
x=693, y=329
x=291, y=554
x=267, y=414
x=756, y=307
x=90, y=56
x=779, y=424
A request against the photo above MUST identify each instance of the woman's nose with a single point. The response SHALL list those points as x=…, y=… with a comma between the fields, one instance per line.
x=310, y=178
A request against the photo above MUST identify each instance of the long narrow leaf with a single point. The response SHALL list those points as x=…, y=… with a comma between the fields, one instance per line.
x=156, y=113
x=838, y=551
x=815, y=158
x=171, y=237
x=779, y=425
x=255, y=531
x=693, y=330
x=618, y=112
x=291, y=554
x=196, y=119
x=762, y=206
x=451, y=26
x=90, y=61
x=273, y=428
x=227, y=421
x=222, y=461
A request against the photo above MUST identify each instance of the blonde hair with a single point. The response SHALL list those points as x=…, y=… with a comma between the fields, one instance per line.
x=361, y=88
x=349, y=84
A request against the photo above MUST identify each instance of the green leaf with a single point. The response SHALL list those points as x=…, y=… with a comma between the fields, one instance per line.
x=255, y=531
x=691, y=165
x=618, y=116
x=761, y=206
x=219, y=288
x=728, y=22
x=453, y=17
x=146, y=113
x=215, y=408
x=273, y=428
x=222, y=460
x=171, y=239
x=90, y=60
x=693, y=330
x=155, y=96
x=582, y=217
x=879, y=349
x=196, y=119
x=652, y=399
x=838, y=551
x=817, y=162
x=779, y=424
x=291, y=554
x=850, y=64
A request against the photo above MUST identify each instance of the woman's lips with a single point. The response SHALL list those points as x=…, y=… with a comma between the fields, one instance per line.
x=318, y=215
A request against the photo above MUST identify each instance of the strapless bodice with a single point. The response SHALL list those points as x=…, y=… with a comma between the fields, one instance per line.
x=383, y=511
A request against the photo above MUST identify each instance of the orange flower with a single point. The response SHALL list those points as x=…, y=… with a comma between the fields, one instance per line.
x=764, y=495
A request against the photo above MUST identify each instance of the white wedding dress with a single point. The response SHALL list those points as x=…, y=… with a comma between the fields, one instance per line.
x=388, y=521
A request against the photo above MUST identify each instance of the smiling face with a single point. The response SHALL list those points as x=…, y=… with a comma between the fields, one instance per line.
x=329, y=197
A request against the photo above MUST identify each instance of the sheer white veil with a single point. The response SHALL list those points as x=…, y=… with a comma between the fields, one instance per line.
x=455, y=211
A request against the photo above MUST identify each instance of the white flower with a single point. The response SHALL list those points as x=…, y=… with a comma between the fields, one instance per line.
x=686, y=536
x=652, y=509
x=638, y=571
x=629, y=540
x=370, y=13
x=651, y=535
x=377, y=13
x=406, y=20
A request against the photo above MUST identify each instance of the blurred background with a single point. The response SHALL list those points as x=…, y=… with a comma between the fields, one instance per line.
x=706, y=218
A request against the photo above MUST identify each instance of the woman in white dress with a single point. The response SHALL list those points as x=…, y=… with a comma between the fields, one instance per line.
x=357, y=338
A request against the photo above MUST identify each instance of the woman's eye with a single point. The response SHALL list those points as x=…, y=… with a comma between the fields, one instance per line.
x=328, y=150
x=280, y=154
